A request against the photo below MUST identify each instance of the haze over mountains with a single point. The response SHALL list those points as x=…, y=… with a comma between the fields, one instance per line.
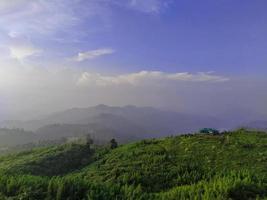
x=145, y=121
x=259, y=125
x=102, y=122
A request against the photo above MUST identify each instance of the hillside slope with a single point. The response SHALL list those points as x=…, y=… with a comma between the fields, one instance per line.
x=228, y=166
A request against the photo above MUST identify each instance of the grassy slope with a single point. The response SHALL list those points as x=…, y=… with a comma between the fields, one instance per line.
x=49, y=161
x=163, y=165
x=199, y=166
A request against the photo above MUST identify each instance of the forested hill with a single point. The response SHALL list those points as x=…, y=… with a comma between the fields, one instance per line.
x=201, y=166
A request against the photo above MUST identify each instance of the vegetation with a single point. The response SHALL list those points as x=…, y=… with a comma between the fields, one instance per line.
x=113, y=144
x=201, y=166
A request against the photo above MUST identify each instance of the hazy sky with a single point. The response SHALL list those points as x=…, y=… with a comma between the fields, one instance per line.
x=188, y=55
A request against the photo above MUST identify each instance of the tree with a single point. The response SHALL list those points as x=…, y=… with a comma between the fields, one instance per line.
x=89, y=140
x=113, y=144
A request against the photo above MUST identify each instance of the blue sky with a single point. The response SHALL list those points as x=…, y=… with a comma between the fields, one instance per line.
x=70, y=45
x=225, y=36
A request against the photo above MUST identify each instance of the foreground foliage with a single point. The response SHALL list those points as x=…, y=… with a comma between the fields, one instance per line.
x=202, y=166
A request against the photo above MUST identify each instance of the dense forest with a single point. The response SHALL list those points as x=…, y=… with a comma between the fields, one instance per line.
x=232, y=165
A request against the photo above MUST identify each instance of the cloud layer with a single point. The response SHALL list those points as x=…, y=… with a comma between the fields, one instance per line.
x=45, y=89
x=31, y=91
x=146, y=77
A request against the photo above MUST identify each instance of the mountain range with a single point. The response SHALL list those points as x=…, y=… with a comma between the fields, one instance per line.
x=102, y=122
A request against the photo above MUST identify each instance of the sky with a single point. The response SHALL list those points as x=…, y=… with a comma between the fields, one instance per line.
x=184, y=55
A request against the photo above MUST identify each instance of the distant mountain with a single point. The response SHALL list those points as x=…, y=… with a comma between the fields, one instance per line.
x=240, y=116
x=259, y=125
x=101, y=132
x=126, y=124
x=13, y=137
x=139, y=121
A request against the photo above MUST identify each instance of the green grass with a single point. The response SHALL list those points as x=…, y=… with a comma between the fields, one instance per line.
x=201, y=166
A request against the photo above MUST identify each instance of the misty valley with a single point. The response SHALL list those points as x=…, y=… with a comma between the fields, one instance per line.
x=102, y=123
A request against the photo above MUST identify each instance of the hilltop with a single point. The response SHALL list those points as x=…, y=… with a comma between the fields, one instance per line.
x=201, y=166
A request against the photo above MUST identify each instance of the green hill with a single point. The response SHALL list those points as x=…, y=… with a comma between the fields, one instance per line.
x=202, y=166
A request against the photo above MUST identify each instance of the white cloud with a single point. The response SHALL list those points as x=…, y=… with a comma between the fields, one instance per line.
x=13, y=34
x=149, y=6
x=33, y=17
x=22, y=51
x=62, y=21
x=88, y=55
x=88, y=79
